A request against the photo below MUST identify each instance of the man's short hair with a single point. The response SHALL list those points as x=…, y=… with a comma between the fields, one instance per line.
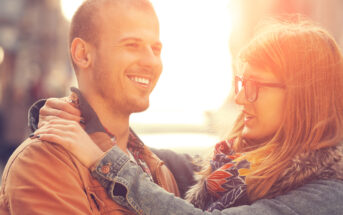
x=85, y=22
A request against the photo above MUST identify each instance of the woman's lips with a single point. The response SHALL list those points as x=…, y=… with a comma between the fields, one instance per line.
x=248, y=118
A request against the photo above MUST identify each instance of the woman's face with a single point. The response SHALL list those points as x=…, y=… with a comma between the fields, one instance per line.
x=263, y=116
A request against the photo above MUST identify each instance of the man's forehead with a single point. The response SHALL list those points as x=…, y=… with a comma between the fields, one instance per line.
x=130, y=26
x=143, y=5
x=119, y=11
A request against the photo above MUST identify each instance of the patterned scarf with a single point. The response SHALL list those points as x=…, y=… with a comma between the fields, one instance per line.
x=225, y=186
x=136, y=148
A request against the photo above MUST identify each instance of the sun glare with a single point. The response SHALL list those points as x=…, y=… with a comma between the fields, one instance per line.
x=197, y=63
x=69, y=7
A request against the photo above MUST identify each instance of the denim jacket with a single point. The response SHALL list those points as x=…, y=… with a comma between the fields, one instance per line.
x=128, y=185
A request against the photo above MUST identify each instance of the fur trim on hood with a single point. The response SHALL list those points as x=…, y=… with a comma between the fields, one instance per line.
x=325, y=163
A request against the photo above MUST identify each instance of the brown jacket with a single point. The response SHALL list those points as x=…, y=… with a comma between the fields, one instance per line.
x=44, y=178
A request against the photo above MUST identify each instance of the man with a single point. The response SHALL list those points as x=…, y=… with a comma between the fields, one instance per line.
x=115, y=51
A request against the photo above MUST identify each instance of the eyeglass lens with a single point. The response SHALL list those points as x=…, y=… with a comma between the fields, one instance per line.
x=250, y=88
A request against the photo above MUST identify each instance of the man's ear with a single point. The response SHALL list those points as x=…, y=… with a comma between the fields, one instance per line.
x=80, y=52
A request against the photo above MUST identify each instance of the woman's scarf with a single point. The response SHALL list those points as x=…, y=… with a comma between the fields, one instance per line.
x=225, y=186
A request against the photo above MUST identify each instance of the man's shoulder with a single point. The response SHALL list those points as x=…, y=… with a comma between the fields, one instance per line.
x=34, y=156
x=35, y=150
x=43, y=178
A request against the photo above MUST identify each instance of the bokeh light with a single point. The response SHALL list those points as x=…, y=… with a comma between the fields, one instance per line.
x=2, y=54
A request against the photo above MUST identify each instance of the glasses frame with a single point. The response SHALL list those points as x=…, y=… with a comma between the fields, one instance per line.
x=258, y=84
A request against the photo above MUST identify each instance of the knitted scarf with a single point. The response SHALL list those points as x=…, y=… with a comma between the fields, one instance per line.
x=225, y=186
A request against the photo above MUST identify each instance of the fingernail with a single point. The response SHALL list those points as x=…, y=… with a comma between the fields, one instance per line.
x=32, y=135
x=82, y=121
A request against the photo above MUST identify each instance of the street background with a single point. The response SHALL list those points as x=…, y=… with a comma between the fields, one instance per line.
x=192, y=105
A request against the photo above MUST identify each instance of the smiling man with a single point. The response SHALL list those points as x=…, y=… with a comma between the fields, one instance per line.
x=115, y=50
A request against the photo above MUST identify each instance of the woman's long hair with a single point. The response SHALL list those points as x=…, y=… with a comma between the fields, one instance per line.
x=308, y=61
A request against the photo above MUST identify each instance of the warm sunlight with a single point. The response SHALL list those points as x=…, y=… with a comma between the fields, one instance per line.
x=69, y=7
x=197, y=62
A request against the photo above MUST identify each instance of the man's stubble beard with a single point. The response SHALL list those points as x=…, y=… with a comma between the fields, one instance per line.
x=125, y=106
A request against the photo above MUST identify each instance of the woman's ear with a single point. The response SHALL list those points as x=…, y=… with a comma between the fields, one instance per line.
x=80, y=52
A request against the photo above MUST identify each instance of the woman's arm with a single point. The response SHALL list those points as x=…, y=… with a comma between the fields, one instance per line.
x=45, y=110
x=126, y=182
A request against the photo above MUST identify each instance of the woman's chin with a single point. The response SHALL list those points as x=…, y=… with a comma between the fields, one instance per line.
x=254, y=140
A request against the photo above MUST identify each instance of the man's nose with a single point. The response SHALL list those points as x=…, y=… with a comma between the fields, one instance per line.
x=149, y=58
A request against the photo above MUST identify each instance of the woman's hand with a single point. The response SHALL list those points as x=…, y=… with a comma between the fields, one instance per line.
x=62, y=108
x=70, y=135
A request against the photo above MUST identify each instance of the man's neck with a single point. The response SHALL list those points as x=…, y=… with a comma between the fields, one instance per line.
x=114, y=122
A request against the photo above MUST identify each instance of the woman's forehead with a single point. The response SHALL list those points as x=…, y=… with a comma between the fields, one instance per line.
x=257, y=73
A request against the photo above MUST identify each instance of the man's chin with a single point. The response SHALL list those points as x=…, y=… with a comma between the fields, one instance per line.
x=140, y=108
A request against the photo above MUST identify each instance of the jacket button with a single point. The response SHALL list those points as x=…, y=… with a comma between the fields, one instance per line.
x=105, y=169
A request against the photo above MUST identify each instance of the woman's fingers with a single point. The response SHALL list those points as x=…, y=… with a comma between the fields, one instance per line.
x=58, y=107
x=61, y=121
x=72, y=137
x=46, y=111
x=63, y=132
x=60, y=127
x=53, y=138
x=62, y=104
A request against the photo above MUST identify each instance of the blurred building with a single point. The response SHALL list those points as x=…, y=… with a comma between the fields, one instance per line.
x=35, y=64
x=325, y=12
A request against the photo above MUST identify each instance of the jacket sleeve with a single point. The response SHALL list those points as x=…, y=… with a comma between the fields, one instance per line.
x=43, y=179
x=126, y=183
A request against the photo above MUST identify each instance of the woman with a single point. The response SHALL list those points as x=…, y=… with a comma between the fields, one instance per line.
x=290, y=131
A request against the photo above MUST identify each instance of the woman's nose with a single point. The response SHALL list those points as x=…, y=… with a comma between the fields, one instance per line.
x=240, y=97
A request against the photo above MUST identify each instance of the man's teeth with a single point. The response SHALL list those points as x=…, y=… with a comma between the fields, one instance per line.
x=140, y=80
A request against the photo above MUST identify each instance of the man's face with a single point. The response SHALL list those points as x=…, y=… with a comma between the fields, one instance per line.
x=127, y=61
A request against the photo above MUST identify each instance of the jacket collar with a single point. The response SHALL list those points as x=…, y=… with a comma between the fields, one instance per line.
x=92, y=122
x=94, y=127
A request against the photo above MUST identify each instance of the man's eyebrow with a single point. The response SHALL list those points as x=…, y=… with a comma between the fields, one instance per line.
x=130, y=38
x=137, y=40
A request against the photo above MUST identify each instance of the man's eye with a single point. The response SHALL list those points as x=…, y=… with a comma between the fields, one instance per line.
x=132, y=45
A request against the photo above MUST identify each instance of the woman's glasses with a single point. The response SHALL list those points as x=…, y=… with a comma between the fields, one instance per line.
x=251, y=87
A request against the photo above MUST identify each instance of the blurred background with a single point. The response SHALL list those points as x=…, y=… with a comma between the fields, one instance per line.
x=191, y=106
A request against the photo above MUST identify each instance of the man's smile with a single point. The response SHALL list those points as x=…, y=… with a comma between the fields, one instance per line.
x=142, y=81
